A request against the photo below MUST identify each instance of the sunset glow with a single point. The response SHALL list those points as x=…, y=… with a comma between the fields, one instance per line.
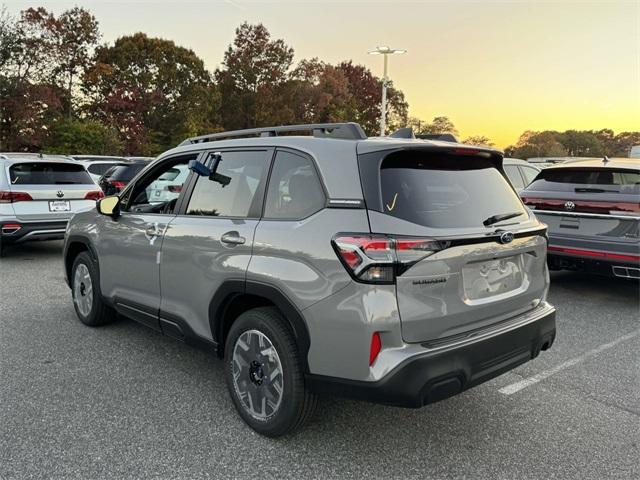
x=494, y=68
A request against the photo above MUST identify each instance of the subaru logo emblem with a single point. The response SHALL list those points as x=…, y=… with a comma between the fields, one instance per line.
x=569, y=206
x=60, y=194
x=506, y=237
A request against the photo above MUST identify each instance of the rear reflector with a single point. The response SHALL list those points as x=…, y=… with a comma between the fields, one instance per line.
x=14, y=197
x=9, y=228
x=94, y=195
x=376, y=346
x=595, y=254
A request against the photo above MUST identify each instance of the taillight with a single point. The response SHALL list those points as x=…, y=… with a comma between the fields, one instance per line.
x=378, y=259
x=174, y=188
x=14, y=197
x=117, y=184
x=94, y=195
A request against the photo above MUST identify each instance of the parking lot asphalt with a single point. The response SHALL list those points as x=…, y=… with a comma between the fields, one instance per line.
x=125, y=402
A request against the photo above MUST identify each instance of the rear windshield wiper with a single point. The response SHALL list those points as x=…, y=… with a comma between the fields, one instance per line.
x=593, y=190
x=500, y=217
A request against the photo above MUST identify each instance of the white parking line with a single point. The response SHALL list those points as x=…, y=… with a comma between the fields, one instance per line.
x=517, y=386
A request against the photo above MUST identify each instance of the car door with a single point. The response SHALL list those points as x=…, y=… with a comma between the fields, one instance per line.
x=210, y=240
x=130, y=246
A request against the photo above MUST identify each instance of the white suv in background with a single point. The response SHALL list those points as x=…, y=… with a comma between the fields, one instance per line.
x=39, y=194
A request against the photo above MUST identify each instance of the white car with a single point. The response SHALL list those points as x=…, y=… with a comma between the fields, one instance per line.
x=168, y=186
x=39, y=194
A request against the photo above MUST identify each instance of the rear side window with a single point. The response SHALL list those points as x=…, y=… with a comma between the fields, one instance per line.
x=513, y=172
x=529, y=174
x=444, y=191
x=125, y=173
x=99, y=168
x=246, y=171
x=294, y=189
x=604, y=180
x=48, y=173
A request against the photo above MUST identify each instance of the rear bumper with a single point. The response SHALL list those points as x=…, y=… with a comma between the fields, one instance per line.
x=29, y=231
x=435, y=375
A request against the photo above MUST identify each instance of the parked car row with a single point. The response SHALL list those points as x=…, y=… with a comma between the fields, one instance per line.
x=592, y=210
x=396, y=270
x=39, y=193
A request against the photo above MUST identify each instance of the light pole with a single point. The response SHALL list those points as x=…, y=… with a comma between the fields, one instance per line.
x=386, y=51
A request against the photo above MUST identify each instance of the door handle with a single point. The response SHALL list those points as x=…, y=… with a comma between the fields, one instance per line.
x=232, y=238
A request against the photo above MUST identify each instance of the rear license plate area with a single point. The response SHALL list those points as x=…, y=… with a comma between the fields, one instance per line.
x=493, y=278
x=59, y=206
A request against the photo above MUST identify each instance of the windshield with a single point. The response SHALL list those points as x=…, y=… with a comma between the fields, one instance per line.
x=447, y=191
x=48, y=173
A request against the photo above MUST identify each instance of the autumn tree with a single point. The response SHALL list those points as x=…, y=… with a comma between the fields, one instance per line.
x=76, y=34
x=320, y=93
x=29, y=102
x=479, y=140
x=537, y=144
x=439, y=125
x=152, y=91
x=72, y=136
x=366, y=91
x=253, y=79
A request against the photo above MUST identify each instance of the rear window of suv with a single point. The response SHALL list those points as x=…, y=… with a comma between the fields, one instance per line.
x=48, y=173
x=443, y=191
x=124, y=173
x=596, y=180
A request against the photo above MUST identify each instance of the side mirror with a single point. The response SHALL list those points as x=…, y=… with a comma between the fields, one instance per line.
x=109, y=206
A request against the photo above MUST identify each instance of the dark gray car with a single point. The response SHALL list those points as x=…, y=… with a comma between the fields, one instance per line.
x=392, y=270
x=592, y=209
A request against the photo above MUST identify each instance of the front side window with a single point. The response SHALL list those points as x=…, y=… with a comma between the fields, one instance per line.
x=294, y=188
x=246, y=171
x=158, y=191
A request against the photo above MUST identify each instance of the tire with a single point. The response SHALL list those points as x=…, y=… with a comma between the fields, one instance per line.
x=86, y=294
x=283, y=404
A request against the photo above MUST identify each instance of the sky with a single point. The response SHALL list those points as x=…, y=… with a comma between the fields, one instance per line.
x=495, y=68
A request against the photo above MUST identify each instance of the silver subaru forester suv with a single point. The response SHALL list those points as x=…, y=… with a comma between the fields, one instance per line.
x=392, y=270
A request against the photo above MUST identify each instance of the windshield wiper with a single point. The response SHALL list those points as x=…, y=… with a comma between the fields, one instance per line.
x=500, y=217
x=593, y=190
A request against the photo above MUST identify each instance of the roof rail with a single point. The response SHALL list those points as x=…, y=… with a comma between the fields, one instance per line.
x=347, y=131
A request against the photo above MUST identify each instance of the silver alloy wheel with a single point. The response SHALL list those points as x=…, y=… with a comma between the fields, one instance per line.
x=83, y=290
x=257, y=374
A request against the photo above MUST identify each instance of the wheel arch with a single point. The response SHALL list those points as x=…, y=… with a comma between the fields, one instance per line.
x=75, y=245
x=237, y=296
